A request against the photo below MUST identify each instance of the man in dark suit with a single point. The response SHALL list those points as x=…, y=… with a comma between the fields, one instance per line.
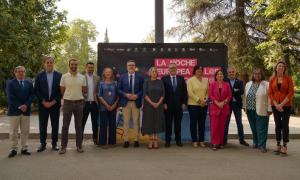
x=47, y=91
x=236, y=105
x=130, y=89
x=175, y=101
x=20, y=94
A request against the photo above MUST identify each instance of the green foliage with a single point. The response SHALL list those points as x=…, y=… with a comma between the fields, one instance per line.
x=258, y=33
x=79, y=34
x=29, y=30
x=282, y=28
x=223, y=21
x=150, y=38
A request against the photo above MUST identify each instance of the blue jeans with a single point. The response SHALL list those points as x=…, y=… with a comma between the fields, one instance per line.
x=107, y=127
x=237, y=111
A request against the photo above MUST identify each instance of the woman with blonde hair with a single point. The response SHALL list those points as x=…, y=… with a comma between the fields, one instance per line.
x=153, y=121
x=281, y=91
x=108, y=99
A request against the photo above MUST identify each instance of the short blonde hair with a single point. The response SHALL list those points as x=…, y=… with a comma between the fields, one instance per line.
x=151, y=69
x=106, y=68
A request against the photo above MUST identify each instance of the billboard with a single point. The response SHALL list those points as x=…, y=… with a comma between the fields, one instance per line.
x=212, y=56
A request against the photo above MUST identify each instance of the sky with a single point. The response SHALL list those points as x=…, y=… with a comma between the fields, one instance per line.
x=126, y=20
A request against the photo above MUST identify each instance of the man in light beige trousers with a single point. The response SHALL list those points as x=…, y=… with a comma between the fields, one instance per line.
x=20, y=94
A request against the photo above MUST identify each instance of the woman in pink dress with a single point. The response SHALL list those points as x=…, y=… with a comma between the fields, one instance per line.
x=219, y=95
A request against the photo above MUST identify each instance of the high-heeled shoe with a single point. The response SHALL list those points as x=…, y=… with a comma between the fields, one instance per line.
x=214, y=147
x=283, y=151
x=150, y=145
x=278, y=150
x=155, y=143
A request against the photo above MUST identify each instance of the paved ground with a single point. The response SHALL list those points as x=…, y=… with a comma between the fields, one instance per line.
x=34, y=125
x=187, y=163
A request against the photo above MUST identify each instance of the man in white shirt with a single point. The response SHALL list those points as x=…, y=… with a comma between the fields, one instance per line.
x=72, y=87
x=91, y=100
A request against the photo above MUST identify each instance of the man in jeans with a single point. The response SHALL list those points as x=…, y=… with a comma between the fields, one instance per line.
x=72, y=87
x=236, y=104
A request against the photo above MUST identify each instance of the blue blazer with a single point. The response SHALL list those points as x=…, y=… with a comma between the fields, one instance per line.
x=18, y=95
x=41, y=88
x=123, y=88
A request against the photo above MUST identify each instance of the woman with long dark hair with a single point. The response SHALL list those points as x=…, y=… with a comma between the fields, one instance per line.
x=219, y=94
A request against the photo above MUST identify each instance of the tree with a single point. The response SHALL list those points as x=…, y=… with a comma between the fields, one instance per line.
x=282, y=29
x=77, y=46
x=28, y=30
x=150, y=38
x=224, y=21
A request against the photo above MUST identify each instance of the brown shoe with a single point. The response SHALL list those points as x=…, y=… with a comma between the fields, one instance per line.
x=202, y=144
x=195, y=144
x=80, y=150
x=62, y=151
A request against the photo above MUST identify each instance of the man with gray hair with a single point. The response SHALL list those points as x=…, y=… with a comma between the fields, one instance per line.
x=20, y=94
x=236, y=104
x=174, y=105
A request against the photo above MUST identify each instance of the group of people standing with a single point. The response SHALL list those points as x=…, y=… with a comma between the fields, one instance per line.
x=162, y=102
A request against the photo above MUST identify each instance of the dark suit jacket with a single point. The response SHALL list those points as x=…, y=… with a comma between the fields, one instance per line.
x=238, y=84
x=41, y=88
x=123, y=88
x=18, y=95
x=177, y=98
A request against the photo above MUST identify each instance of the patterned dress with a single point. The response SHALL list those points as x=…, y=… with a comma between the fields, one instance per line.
x=251, y=97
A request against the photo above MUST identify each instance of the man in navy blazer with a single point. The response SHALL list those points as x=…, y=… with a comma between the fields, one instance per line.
x=130, y=89
x=175, y=101
x=236, y=104
x=47, y=91
x=20, y=94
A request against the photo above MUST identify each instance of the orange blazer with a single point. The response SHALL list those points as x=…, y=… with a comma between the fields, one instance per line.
x=287, y=90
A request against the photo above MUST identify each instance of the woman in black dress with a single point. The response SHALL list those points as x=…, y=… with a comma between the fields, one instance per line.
x=153, y=112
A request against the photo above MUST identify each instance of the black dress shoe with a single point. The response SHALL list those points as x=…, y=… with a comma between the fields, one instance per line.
x=41, y=148
x=126, y=144
x=25, y=152
x=136, y=144
x=167, y=144
x=55, y=148
x=12, y=153
x=244, y=143
x=95, y=142
x=179, y=144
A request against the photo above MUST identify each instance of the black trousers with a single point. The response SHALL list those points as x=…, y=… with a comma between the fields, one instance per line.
x=93, y=109
x=173, y=115
x=197, y=122
x=44, y=114
x=282, y=124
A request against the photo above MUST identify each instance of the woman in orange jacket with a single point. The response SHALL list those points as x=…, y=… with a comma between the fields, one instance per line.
x=281, y=91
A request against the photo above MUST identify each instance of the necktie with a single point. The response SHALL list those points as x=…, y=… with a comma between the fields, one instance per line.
x=174, y=83
x=130, y=84
x=22, y=83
